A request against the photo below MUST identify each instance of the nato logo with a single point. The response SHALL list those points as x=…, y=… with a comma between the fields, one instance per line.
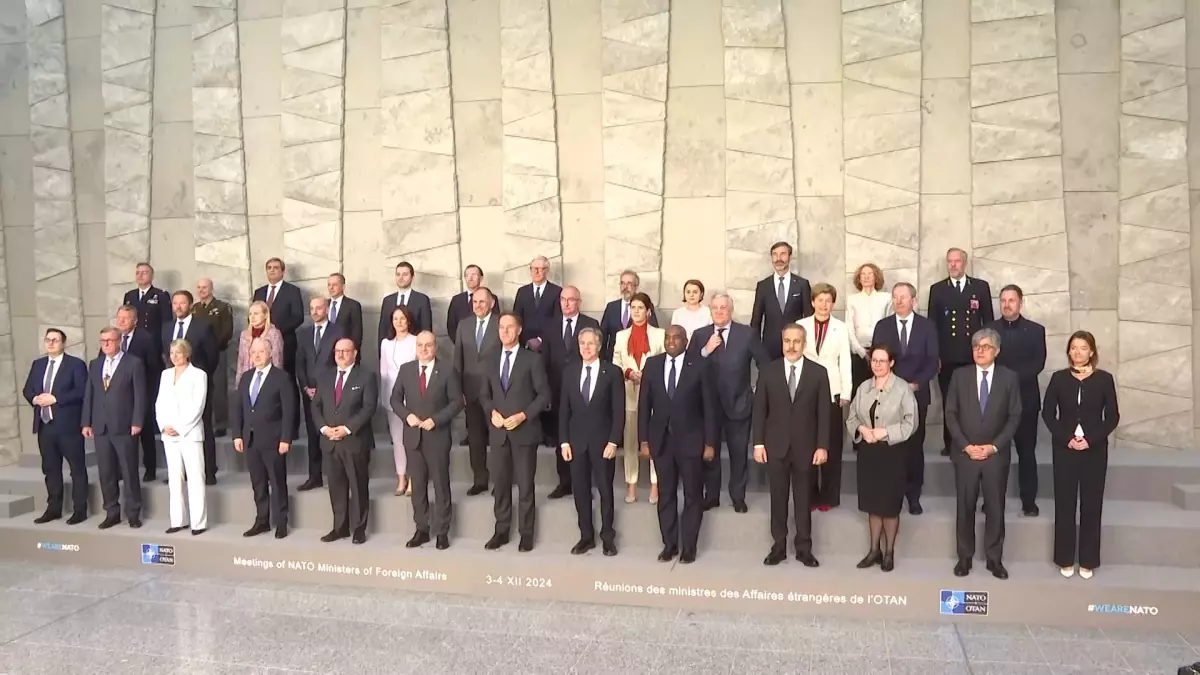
x=153, y=554
x=963, y=602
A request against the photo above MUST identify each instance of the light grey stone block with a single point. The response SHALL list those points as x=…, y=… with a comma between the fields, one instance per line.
x=580, y=150
x=172, y=56
x=1090, y=133
x=1016, y=129
x=88, y=170
x=817, y=137
x=1020, y=180
x=881, y=31
x=945, y=223
x=172, y=184
x=83, y=75
x=874, y=134
x=814, y=41
x=695, y=45
x=1088, y=36
x=14, y=80
x=1013, y=39
x=695, y=145
x=945, y=137
x=1000, y=223
x=416, y=184
x=757, y=75
x=576, y=47
x=1093, y=237
x=1164, y=44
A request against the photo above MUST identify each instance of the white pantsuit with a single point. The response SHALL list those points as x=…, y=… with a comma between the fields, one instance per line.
x=394, y=353
x=180, y=405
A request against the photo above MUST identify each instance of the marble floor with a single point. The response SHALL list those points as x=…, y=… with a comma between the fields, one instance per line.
x=56, y=619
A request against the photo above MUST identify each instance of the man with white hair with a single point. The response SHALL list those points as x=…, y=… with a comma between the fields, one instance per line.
x=536, y=303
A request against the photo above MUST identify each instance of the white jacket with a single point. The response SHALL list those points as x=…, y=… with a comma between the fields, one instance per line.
x=181, y=404
x=835, y=354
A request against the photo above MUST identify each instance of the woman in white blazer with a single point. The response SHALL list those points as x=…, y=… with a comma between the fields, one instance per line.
x=181, y=393
x=631, y=348
x=828, y=343
x=396, y=348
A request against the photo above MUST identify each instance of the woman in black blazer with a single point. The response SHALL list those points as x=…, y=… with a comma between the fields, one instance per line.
x=1080, y=410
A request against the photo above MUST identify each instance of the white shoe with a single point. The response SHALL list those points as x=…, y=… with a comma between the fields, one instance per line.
x=1068, y=572
x=1085, y=573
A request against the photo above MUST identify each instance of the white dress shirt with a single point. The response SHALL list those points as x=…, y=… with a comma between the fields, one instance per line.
x=428, y=371
x=905, y=328
x=111, y=363
x=538, y=289
x=595, y=373
x=403, y=296
x=724, y=337
x=691, y=320
x=187, y=323
x=54, y=362
x=678, y=361
x=345, y=373
x=787, y=369
x=512, y=360
x=562, y=327
x=335, y=305
x=486, y=318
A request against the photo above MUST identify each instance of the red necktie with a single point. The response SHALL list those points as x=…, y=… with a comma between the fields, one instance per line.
x=337, y=388
x=270, y=296
x=423, y=380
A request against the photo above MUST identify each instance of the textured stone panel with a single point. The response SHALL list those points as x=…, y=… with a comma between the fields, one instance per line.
x=756, y=75
x=990, y=10
x=695, y=145
x=1021, y=180
x=900, y=73
x=880, y=133
x=1090, y=131
x=363, y=67
x=1164, y=44
x=817, y=133
x=1093, y=238
x=1088, y=36
x=881, y=31
x=1002, y=223
x=696, y=56
x=686, y=221
x=946, y=39
x=1012, y=39
x=945, y=154
x=1154, y=302
x=945, y=223
x=999, y=82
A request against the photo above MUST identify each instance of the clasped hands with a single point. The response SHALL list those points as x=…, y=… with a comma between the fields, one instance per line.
x=335, y=433
x=1078, y=443
x=240, y=446
x=708, y=455
x=820, y=455
x=44, y=400
x=979, y=452
x=509, y=423
x=414, y=421
x=872, y=435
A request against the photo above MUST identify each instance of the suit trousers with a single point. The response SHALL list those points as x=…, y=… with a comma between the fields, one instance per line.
x=54, y=448
x=971, y=477
x=944, y=375
x=736, y=434
x=629, y=452
x=313, y=448
x=589, y=469
x=116, y=460
x=146, y=439
x=788, y=475
x=425, y=466
x=477, y=442
x=826, y=480
x=1078, y=479
x=210, y=437
x=915, y=470
x=1025, y=441
x=268, y=478
x=349, y=474
x=186, y=456
x=511, y=461
x=675, y=467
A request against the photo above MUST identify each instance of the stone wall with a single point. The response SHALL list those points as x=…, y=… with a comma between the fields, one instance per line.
x=676, y=138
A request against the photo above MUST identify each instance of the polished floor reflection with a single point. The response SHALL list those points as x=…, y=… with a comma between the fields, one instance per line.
x=56, y=619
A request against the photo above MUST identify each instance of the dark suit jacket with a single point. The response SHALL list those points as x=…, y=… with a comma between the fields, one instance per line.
x=919, y=363
x=958, y=316
x=690, y=416
x=152, y=311
x=360, y=398
x=271, y=419
x=350, y=320
x=70, y=383
x=997, y=424
x=219, y=317
x=311, y=364
x=528, y=392
x=785, y=426
x=535, y=317
x=460, y=308
x=731, y=365
x=287, y=313
x=766, y=318
x=123, y=405
x=419, y=308
x=146, y=346
x=470, y=363
x=200, y=337
x=1023, y=351
x=610, y=325
x=443, y=400
x=588, y=426
x=560, y=352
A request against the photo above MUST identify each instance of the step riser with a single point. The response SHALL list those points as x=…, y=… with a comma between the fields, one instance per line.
x=12, y=506
x=1186, y=497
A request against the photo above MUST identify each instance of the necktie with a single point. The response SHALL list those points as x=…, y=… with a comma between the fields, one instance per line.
x=124, y=344
x=423, y=380
x=537, y=296
x=108, y=368
x=983, y=393
x=721, y=334
x=822, y=326
x=141, y=296
x=270, y=295
x=625, y=315
x=504, y=370
x=179, y=331
x=568, y=333
x=903, y=336
x=333, y=309
x=404, y=300
x=255, y=386
x=781, y=295
x=479, y=335
x=337, y=387
x=958, y=285
x=587, y=384
x=317, y=339
x=45, y=414
x=792, y=382
x=671, y=380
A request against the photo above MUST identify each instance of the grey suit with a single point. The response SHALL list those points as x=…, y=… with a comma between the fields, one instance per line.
x=348, y=459
x=428, y=451
x=472, y=363
x=995, y=425
x=111, y=412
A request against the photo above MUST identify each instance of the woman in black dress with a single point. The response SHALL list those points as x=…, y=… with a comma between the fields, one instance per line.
x=883, y=417
x=1080, y=410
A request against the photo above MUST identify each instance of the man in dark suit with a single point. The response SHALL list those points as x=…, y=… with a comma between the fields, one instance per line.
x=913, y=340
x=562, y=347
x=460, y=304
x=204, y=356
x=983, y=411
x=780, y=299
x=146, y=345
x=219, y=317
x=419, y=307
x=55, y=388
x=476, y=348
x=514, y=396
x=536, y=303
x=114, y=409
x=346, y=313
x=287, y=309
x=346, y=400
x=958, y=306
x=1024, y=354
x=591, y=422
x=152, y=304
x=315, y=344
x=263, y=422
x=677, y=426
x=729, y=348
x=791, y=435
x=616, y=313
x=427, y=397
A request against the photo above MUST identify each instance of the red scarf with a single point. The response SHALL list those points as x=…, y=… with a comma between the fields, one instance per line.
x=639, y=343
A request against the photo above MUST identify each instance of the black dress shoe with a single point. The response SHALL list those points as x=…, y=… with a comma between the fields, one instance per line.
x=111, y=521
x=310, y=484
x=211, y=480
x=997, y=569
x=807, y=560
x=559, y=492
x=873, y=558
x=76, y=518
x=167, y=481
x=281, y=531
x=173, y=530
x=257, y=529
x=962, y=568
x=1031, y=511
x=889, y=562
x=687, y=557
x=583, y=546
x=462, y=443
x=419, y=537
x=496, y=541
x=914, y=507
x=668, y=554
x=135, y=523
x=149, y=476
x=443, y=542
x=610, y=548
x=47, y=517
x=526, y=544
x=359, y=537
x=945, y=452
x=740, y=507
x=197, y=533
x=334, y=535
x=776, y=556
x=710, y=504
x=476, y=490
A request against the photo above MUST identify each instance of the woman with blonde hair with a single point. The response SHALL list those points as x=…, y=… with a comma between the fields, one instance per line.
x=864, y=309
x=182, y=390
x=258, y=324
x=631, y=348
x=398, y=347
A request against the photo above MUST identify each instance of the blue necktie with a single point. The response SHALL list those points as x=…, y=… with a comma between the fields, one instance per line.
x=179, y=331
x=586, y=390
x=255, y=386
x=479, y=335
x=983, y=393
x=504, y=371
x=333, y=312
x=671, y=381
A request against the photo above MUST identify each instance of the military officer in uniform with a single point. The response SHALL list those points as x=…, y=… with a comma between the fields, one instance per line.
x=959, y=306
x=219, y=317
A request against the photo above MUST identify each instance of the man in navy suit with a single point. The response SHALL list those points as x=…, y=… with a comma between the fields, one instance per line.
x=345, y=312
x=562, y=347
x=316, y=343
x=114, y=406
x=153, y=305
x=677, y=426
x=913, y=339
x=146, y=345
x=419, y=307
x=287, y=309
x=536, y=303
x=780, y=299
x=55, y=388
x=204, y=356
x=460, y=304
x=729, y=348
x=616, y=313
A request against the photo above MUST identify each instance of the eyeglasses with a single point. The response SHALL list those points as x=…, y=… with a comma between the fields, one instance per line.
x=880, y=362
x=52, y=340
x=983, y=348
x=344, y=351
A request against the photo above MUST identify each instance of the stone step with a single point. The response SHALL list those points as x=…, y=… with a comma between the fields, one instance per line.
x=13, y=505
x=1186, y=496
